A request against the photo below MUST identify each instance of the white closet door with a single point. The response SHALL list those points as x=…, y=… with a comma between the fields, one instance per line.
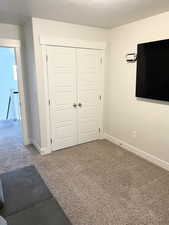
x=88, y=65
x=62, y=91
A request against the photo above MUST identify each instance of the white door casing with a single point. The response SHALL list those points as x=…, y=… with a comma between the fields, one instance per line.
x=16, y=44
x=74, y=77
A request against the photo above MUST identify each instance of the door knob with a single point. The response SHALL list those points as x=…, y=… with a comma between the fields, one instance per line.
x=80, y=104
x=74, y=105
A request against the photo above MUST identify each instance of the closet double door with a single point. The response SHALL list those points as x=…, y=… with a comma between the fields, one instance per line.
x=74, y=86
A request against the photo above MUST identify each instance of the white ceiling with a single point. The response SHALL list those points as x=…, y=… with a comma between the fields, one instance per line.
x=99, y=13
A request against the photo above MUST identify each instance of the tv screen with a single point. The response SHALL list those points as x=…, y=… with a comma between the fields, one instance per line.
x=153, y=70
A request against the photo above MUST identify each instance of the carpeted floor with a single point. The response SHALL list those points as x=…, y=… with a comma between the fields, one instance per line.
x=97, y=183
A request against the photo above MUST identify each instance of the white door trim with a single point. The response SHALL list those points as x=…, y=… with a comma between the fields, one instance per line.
x=10, y=43
x=75, y=43
x=16, y=44
x=102, y=80
x=46, y=102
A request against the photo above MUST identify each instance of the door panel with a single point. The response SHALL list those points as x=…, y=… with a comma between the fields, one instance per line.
x=62, y=91
x=88, y=94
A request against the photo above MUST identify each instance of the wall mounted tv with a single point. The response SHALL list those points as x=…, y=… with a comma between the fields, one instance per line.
x=153, y=70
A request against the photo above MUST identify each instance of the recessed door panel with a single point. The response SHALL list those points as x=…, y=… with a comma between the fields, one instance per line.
x=62, y=92
x=88, y=94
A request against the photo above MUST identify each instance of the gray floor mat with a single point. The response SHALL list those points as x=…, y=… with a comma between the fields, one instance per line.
x=45, y=213
x=22, y=189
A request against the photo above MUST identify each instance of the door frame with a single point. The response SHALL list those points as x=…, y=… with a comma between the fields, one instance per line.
x=16, y=44
x=46, y=41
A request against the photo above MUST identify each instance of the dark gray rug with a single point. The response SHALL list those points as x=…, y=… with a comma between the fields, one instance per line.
x=45, y=213
x=22, y=189
x=28, y=201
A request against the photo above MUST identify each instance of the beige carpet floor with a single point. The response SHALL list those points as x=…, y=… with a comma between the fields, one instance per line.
x=97, y=183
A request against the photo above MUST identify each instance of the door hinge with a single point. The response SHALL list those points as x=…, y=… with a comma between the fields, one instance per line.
x=101, y=60
x=49, y=102
x=100, y=97
x=46, y=58
x=99, y=130
x=51, y=141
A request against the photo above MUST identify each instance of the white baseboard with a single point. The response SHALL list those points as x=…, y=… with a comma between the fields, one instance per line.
x=45, y=151
x=42, y=151
x=36, y=145
x=26, y=141
x=151, y=158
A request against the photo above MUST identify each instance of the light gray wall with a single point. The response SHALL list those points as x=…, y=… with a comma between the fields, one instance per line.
x=31, y=87
x=125, y=114
x=9, y=31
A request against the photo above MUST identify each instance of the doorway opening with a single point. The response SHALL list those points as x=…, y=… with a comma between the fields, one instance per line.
x=10, y=113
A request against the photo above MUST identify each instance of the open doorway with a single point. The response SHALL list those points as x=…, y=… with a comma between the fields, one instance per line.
x=13, y=115
x=10, y=113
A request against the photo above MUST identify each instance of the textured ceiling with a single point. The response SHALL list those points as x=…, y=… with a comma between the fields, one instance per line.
x=99, y=13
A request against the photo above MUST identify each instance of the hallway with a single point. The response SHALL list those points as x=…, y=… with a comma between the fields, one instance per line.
x=10, y=129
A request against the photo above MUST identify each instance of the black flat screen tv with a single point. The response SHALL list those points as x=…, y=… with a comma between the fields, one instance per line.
x=153, y=70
